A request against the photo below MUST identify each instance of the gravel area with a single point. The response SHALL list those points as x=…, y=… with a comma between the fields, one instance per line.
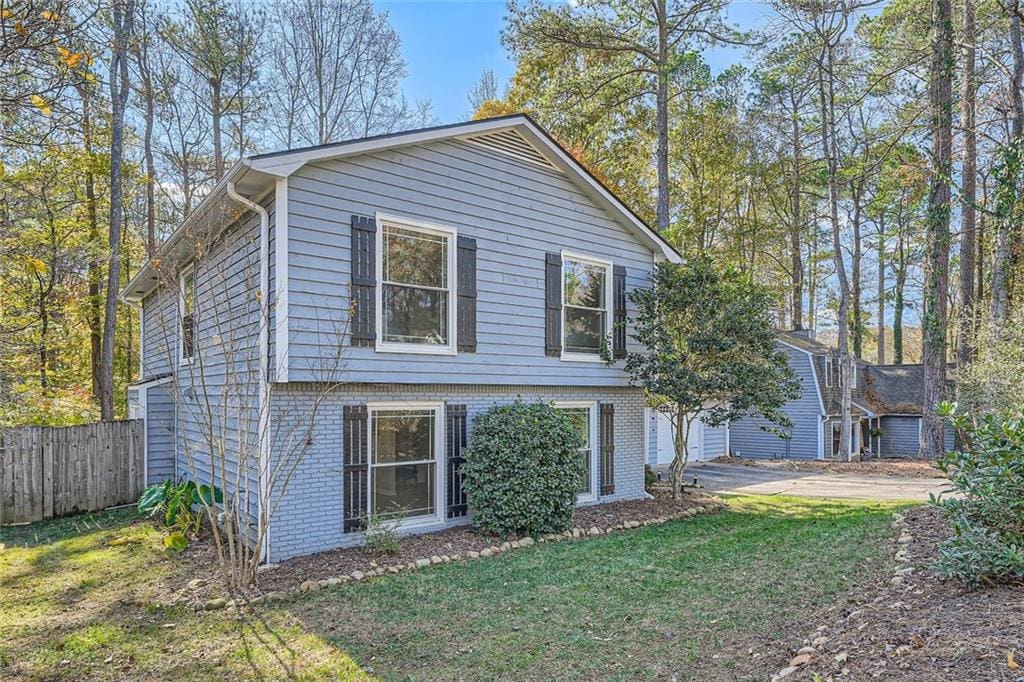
x=917, y=627
x=904, y=468
x=460, y=540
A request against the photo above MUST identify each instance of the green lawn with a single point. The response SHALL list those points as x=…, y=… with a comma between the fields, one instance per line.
x=688, y=597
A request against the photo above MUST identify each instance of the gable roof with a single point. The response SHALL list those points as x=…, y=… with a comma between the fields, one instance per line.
x=516, y=135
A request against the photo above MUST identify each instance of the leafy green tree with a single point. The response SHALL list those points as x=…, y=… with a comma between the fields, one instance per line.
x=710, y=351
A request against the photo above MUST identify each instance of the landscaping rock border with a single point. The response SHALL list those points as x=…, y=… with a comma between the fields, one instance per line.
x=711, y=505
x=812, y=649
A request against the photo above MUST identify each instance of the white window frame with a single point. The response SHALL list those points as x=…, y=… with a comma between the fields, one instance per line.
x=595, y=447
x=609, y=311
x=428, y=228
x=185, y=272
x=440, y=503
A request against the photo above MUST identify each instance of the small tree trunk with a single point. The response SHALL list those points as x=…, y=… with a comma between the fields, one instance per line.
x=662, y=115
x=797, y=266
x=968, y=242
x=881, y=289
x=681, y=445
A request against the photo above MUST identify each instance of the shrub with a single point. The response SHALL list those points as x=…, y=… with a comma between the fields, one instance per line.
x=181, y=506
x=382, y=534
x=650, y=478
x=523, y=469
x=987, y=518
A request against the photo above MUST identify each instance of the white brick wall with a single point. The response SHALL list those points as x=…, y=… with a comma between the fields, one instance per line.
x=309, y=516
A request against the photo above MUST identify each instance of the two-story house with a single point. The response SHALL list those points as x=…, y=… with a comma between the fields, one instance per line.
x=327, y=323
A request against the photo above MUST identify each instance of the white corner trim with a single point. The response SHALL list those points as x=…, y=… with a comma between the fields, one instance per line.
x=281, y=251
x=450, y=233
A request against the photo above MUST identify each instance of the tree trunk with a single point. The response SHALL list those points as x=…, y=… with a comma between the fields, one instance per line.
x=898, y=308
x=829, y=151
x=147, y=141
x=968, y=241
x=1008, y=194
x=216, y=114
x=95, y=266
x=936, y=292
x=797, y=266
x=123, y=22
x=881, y=290
x=681, y=446
x=857, y=323
x=662, y=115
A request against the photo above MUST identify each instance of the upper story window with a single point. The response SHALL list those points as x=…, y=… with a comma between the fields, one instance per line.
x=187, y=313
x=586, y=300
x=417, y=264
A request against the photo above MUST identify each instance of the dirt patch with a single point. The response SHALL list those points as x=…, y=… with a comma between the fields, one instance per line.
x=292, y=573
x=921, y=628
x=902, y=468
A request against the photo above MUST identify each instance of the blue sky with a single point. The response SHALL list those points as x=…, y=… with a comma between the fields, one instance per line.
x=447, y=44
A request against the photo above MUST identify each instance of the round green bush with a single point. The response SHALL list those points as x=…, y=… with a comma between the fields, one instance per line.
x=523, y=470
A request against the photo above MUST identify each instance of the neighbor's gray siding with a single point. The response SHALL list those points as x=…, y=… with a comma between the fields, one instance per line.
x=715, y=441
x=516, y=211
x=901, y=436
x=159, y=435
x=748, y=440
x=310, y=518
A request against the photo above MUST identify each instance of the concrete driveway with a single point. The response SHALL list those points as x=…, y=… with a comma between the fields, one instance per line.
x=744, y=480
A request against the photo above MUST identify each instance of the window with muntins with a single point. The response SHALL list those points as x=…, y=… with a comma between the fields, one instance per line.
x=586, y=297
x=187, y=315
x=403, y=462
x=583, y=418
x=416, y=288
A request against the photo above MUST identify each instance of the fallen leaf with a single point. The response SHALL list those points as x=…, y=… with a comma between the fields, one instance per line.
x=1011, y=662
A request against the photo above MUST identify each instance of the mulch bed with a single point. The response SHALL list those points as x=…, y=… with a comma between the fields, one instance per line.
x=460, y=540
x=923, y=628
x=904, y=468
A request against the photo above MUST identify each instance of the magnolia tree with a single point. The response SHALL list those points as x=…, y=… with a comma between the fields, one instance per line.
x=709, y=352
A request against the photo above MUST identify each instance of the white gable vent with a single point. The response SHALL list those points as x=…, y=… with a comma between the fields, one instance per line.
x=511, y=143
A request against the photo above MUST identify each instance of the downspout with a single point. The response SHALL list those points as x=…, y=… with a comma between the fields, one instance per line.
x=263, y=400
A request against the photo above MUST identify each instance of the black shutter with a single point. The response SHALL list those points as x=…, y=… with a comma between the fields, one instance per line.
x=607, y=440
x=355, y=465
x=455, y=437
x=553, y=304
x=466, y=312
x=619, y=323
x=364, y=281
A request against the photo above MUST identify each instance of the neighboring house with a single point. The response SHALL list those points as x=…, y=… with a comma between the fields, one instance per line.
x=705, y=442
x=425, y=277
x=886, y=409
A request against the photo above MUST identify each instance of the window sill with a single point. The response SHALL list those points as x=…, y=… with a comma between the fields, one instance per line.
x=415, y=349
x=581, y=357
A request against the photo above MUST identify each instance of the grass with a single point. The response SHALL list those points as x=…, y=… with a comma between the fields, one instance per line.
x=709, y=598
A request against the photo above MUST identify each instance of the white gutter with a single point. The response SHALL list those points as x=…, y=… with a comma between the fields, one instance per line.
x=263, y=401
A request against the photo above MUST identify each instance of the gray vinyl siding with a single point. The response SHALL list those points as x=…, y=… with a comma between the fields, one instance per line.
x=747, y=439
x=217, y=394
x=901, y=436
x=159, y=332
x=516, y=211
x=715, y=441
x=309, y=518
x=159, y=435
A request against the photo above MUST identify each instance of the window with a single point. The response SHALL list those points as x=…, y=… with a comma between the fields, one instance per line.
x=187, y=315
x=416, y=269
x=584, y=416
x=586, y=297
x=404, y=443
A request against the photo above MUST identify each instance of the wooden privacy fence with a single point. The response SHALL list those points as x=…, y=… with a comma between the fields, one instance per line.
x=48, y=471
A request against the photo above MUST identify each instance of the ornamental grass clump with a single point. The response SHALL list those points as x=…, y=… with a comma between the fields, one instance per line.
x=987, y=518
x=523, y=470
